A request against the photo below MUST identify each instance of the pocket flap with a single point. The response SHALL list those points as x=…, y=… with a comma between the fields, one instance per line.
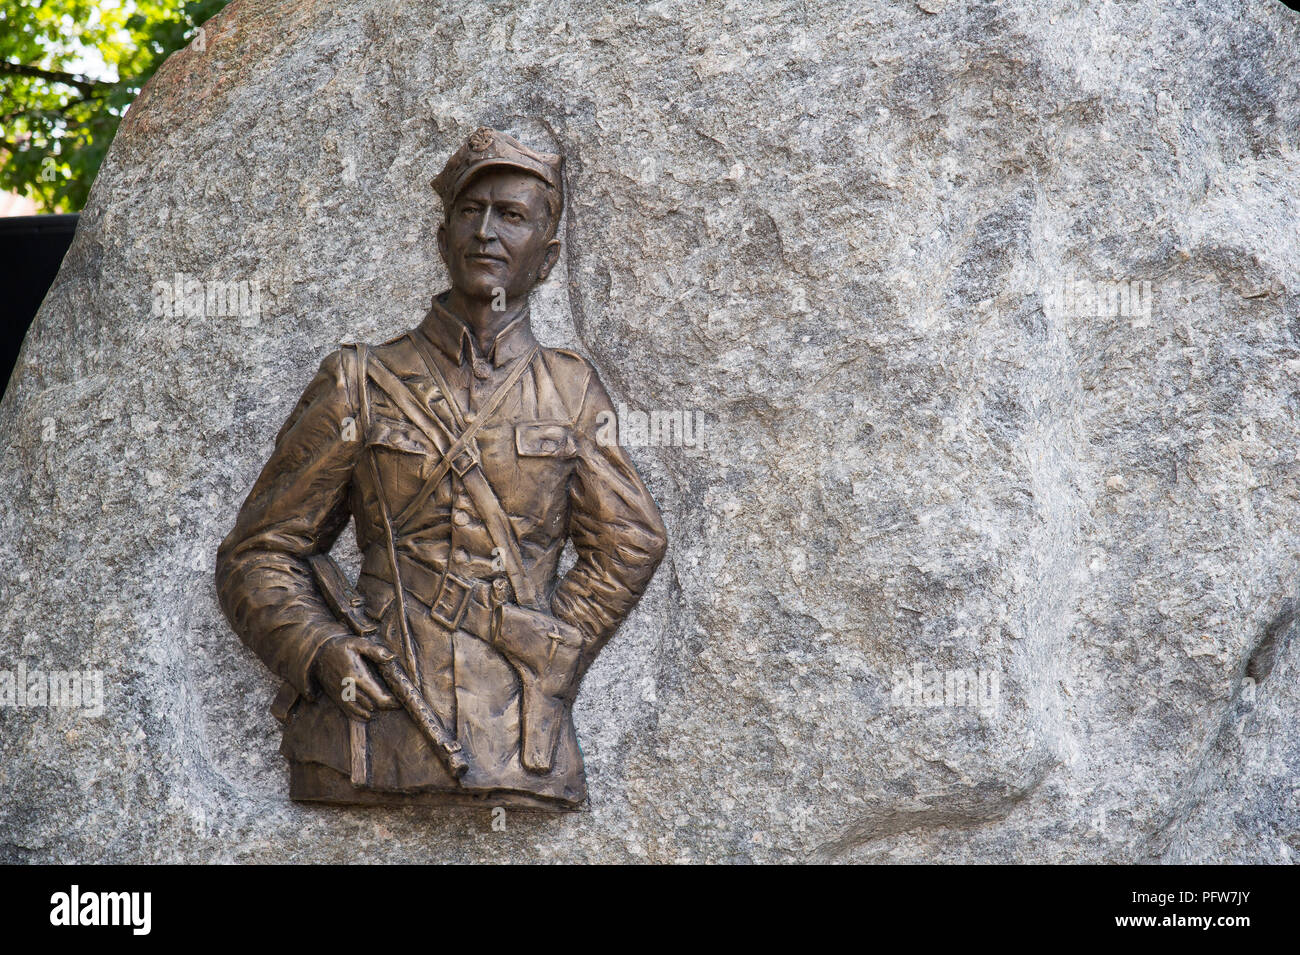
x=388, y=433
x=544, y=440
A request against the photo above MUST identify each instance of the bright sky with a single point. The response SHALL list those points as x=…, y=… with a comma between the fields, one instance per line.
x=87, y=61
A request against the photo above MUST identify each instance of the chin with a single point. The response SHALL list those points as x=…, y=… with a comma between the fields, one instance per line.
x=480, y=286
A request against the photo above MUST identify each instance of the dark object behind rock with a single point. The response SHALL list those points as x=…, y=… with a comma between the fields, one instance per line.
x=31, y=251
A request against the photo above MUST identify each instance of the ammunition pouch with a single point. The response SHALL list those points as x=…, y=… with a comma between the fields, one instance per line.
x=545, y=651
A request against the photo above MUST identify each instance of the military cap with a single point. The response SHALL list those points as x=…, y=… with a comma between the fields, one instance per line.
x=489, y=147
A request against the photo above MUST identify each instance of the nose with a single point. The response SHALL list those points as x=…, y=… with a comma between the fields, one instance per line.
x=483, y=231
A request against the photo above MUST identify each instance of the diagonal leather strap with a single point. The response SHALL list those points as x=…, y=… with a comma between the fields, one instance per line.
x=477, y=486
x=368, y=366
x=463, y=443
x=476, y=483
x=401, y=396
x=503, y=536
x=425, y=348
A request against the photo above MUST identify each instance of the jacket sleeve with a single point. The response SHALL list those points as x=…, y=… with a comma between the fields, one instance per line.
x=296, y=509
x=615, y=527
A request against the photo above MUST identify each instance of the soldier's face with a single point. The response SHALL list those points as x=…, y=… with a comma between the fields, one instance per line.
x=497, y=236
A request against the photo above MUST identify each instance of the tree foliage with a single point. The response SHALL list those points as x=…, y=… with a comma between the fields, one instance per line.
x=68, y=71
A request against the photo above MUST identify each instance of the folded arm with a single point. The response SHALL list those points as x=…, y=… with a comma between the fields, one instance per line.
x=616, y=530
x=297, y=508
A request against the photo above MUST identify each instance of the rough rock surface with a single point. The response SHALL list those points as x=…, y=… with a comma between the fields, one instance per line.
x=833, y=228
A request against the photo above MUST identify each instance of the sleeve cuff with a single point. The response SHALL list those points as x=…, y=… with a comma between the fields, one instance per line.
x=302, y=677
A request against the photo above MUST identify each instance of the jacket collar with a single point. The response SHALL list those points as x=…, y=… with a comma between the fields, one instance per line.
x=456, y=341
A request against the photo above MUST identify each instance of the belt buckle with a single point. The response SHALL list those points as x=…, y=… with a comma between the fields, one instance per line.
x=452, y=601
x=466, y=459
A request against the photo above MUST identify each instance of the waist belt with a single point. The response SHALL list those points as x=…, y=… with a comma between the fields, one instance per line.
x=544, y=651
x=454, y=602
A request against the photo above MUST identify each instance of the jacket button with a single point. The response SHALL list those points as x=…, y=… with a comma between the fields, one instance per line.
x=460, y=518
x=461, y=556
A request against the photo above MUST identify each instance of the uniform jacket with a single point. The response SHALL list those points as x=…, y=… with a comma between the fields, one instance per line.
x=555, y=481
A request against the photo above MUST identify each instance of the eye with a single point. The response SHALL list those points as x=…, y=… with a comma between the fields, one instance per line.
x=513, y=216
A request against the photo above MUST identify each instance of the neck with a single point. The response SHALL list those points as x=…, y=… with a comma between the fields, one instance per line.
x=484, y=322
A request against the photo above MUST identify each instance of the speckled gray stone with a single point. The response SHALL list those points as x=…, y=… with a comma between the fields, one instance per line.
x=839, y=231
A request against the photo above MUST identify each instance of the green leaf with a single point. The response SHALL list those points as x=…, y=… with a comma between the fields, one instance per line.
x=68, y=71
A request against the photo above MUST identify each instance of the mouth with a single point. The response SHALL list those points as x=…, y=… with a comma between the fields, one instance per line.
x=484, y=258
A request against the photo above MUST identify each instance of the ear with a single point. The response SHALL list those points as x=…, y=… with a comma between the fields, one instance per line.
x=548, y=261
x=442, y=242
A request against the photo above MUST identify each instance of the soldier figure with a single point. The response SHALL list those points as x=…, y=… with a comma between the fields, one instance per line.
x=466, y=455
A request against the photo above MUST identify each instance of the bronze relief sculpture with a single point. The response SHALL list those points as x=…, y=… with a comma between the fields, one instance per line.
x=466, y=455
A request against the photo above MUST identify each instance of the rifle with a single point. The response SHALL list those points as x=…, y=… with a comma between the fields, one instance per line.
x=348, y=606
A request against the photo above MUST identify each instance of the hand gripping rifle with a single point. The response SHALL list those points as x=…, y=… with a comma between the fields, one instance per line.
x=348, y=606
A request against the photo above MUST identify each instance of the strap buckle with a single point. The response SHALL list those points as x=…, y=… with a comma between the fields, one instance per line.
x=449, y=606
x=466, y=459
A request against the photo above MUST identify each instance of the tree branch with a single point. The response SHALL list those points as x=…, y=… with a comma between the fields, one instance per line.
x=83, y=83
x=59, y=111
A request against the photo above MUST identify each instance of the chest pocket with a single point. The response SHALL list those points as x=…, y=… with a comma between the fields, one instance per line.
x=387, y=433
x=545, y=439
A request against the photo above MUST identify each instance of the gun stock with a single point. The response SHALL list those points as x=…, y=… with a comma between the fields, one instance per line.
x=349, y=607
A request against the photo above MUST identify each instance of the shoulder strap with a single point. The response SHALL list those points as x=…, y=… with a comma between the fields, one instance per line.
x=547, y=390
x=359, y=383
x=503, y=537
x=408, y=644
x=363, y=389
